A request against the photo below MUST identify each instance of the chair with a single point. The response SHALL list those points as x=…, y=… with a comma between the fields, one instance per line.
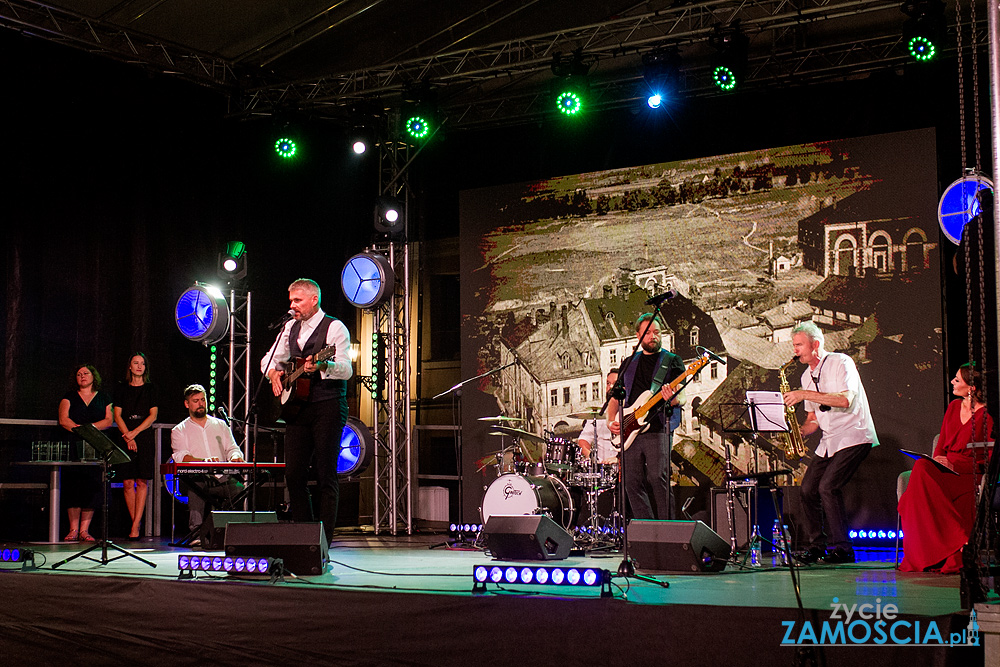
x=901, y=482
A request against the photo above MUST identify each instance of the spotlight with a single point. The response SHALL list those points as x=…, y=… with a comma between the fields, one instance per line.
x=189, y=564
x=368, y=280
x=359, y=146
x=731, y=47
x=660, y=72
x=202, y=314
x=419, y=112
x=285, y=147
x=571, y=87
x=357, y=447
x=389, y=215
x=233, y=262
x=25, y=557
x=924, y=30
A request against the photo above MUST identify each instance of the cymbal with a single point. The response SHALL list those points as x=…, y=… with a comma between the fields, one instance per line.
x=500, y=418
x=586, y=413
x=518, y=433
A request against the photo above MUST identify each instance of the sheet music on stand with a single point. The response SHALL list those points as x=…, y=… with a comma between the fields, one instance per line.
x=767, y=412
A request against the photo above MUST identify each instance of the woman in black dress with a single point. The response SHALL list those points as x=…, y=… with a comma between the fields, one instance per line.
x=135, y=411
x=82, y=485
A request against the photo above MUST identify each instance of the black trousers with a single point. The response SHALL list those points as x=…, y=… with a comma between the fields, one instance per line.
x=823, y=498
x=314, y=437
x=647, y=466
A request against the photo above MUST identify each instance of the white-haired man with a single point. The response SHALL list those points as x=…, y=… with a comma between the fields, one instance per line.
x=836, y=405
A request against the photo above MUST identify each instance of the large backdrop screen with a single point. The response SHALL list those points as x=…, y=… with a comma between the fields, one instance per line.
x=555, y=272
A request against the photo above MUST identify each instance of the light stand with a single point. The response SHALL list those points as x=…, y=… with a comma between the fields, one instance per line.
x=110, y=454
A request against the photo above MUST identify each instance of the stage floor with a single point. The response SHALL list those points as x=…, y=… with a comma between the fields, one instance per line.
x=410, y=600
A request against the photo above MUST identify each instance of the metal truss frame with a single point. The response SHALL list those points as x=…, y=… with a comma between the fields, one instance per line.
x=237, y=372
x=394, y=493
x=93, y=35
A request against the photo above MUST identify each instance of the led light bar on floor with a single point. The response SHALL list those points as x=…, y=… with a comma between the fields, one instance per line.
x=17, y=555
x=188, y=564
x=874, y=535
x=543, y=576
x=465, y=528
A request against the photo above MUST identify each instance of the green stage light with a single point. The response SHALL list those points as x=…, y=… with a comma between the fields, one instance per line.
x=921, y=48
x=285, y=148
x=569, y=103
x=417, y=127
x=724, y=78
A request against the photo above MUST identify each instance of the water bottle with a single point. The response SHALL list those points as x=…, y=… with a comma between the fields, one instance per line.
x=778, y=540
x=755, y=551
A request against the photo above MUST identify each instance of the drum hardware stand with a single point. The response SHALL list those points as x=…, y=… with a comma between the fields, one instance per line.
x=110, y=454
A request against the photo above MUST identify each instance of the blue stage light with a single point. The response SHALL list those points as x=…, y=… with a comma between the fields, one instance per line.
x=542, y=575
x=202, y=314
x=183, y=562
x=852, y=534
x=510, y=575
x=481, y=574
x=558, y=576
x=960, y=204
x=654, y=101
x=590, y=577
x=527, y=574
x=573, y=576
x=496, y=574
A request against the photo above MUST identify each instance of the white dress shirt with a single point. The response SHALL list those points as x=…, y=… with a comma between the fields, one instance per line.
x=599, y=437
x=214, y=440
x=338, y=368
x=842, y=427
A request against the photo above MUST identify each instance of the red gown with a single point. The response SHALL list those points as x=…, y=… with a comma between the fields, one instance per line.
x=937, y=509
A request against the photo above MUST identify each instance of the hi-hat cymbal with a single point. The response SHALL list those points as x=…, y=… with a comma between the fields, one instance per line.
x=586, y=413
x=518, y=433
x=500, y=418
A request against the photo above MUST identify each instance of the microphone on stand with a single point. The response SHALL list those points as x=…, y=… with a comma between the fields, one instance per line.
x=284, y=318
x=660, y=298
x=223, y=415
x=712, y=355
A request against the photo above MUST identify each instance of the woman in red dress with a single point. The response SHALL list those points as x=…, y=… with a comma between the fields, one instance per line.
x=938, y=508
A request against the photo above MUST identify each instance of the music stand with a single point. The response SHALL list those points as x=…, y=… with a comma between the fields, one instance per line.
x=110, y=455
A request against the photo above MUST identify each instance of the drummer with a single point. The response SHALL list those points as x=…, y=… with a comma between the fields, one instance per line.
x=596, y=430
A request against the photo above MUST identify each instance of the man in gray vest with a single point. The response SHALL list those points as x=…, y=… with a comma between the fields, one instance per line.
x=647, y=457
x=321, y=345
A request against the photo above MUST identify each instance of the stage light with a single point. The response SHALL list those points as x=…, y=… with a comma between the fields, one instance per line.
x=730, y=62
x=390, y=215
x=924, y=30
x=571, y=86
x=25, y=557
x=961, y=203
x=377, y=384
x=359, y=147
x=417, y=127
x=357, y=447
x=202, y=314
x=654, y=101
x=367, y=280
x=233, y=262
x=661, y=74
x=285, y=147
x=542, y=575
x=569, y=103
x=189, y=564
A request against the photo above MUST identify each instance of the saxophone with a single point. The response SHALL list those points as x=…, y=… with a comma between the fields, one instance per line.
x=795, y=449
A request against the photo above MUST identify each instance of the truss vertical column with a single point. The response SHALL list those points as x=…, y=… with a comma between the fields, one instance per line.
x=392, y=427
x=237, y=358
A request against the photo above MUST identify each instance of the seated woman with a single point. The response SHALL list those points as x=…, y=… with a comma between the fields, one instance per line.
x=937, y=509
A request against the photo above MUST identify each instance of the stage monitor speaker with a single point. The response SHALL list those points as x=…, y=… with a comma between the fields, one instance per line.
x=676, y=546
x=751, y=506
x=528, y=537
x=214, y=530
x=302, y=546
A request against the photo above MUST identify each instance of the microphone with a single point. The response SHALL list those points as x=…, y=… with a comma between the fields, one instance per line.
x=221, y=411
x=284, y=318
x=713, y=355
x=660, y=298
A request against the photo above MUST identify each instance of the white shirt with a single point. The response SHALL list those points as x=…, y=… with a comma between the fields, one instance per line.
x=842, y=427
x=337, y=334
x=601, y=435
x=214, y=440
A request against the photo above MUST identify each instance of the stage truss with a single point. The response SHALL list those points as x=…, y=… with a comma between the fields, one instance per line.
x=237, y=361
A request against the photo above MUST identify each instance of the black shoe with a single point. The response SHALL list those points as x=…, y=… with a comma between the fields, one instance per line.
x=808, y=556
x=839, y=556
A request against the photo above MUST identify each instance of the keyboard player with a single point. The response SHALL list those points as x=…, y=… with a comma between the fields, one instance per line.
x=202, y=437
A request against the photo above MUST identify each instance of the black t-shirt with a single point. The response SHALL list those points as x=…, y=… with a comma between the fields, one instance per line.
x=81, y=412
x=645, y=370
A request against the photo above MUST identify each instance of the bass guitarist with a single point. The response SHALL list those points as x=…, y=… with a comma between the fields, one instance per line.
x=314, y=432
x=647, y=459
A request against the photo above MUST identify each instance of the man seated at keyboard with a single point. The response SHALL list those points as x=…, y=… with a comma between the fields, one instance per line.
x=202, y=437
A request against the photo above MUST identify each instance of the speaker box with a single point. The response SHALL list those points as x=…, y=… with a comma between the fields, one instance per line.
x=302, y=546
x=676, y=546
x=751, y=506
x=531, y=537
x=214, y=529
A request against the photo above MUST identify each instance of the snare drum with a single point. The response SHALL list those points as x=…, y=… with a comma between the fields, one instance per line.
x=602, y=476
x=512, y=494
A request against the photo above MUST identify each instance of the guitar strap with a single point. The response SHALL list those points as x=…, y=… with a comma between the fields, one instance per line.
x=673, y=415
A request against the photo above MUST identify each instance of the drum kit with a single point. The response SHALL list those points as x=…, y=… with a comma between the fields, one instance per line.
x=542, y=474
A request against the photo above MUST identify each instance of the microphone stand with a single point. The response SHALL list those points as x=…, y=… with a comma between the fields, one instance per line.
x=252, y=415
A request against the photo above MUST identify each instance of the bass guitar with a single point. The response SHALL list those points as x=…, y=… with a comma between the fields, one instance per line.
x=633, y=420
x=295, y=387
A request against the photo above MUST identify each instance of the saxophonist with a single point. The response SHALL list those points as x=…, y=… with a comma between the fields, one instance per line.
x=837, y=406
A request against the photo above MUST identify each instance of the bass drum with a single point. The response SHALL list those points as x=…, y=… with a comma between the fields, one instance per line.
x=513, y=494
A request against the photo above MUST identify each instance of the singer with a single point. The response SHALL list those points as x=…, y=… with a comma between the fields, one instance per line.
x=315, y=431
x=202, y=437
x=848, y=437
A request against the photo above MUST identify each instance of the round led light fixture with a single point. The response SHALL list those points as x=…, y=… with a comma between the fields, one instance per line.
x=202, y=314
x=367, y=280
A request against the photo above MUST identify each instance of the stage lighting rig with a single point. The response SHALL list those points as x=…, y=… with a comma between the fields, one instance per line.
x=202, y=314
x=924, y=30
x=368, y=280
x=233, y=262
x=661, y=73
x=730, y=62
x=571, y=87
x=419, y=112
